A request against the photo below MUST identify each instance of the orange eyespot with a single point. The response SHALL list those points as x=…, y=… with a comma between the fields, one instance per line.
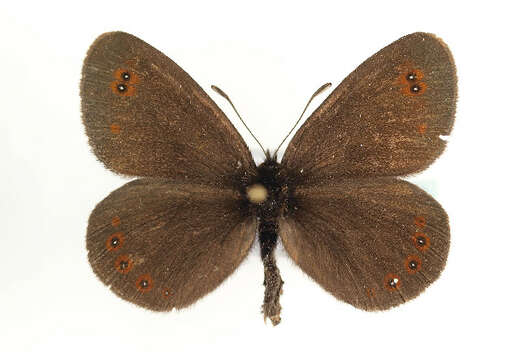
x=420, y=221
x=410, y=76
x=115, y=241
x=410, y=81
x=414, y=89
x=115, y=129
x=144, y=283
x=126, y=76
x=120, y=88
x=421, y=241
x=123, y=264
x=166, y=293
x=422, y=129
x=412, y=264
x=392, y=282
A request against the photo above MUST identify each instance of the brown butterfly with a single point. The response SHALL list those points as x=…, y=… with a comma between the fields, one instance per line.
x=167, y=239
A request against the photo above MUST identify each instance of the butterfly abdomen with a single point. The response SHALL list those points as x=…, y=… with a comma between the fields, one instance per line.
x=269, y=198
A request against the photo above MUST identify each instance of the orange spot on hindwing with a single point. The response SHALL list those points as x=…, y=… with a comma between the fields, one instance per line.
x=115, y=241
x=412, y=264
x=421, y=241
x=123, y=264
x=166, y=293
x=422, y=128
x=144, y=283
x=392, y=282
x=420, y=221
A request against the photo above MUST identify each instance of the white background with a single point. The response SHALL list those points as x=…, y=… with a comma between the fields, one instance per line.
x=269, y=57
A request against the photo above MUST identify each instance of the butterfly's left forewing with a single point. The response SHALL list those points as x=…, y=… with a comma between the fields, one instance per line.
x=163, y=245
x=387, y=118
x=374, y=243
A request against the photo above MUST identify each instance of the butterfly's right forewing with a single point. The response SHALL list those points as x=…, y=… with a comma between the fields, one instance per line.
x=145, y=116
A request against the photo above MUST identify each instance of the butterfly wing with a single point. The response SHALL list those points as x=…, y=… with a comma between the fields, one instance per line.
x=374, y=243
x=162, y=245
x=384, y=119
x=145, y=116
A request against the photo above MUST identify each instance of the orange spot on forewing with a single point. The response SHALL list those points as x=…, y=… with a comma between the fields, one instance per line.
x=417, y=75
x=129, y=89
x=133, y=78
x=409, y=89
x=115, y=129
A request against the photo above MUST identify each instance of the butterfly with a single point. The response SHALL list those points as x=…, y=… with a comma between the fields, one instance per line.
x=335, y=200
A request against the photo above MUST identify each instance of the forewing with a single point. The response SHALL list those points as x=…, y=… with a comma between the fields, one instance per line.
x=384, y=119
x=163, y=245
x=145, y=116
x=372, y=243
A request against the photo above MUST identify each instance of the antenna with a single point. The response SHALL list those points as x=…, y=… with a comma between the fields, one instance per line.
x=316, y=93
x=224, y=95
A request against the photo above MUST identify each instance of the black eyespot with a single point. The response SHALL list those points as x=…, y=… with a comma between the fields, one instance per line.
x=393, y=282
x=125, y=76
x=123, y=264
x=421, y=241
x=114, y=242
x=144, y=283
x=411, y=77
x=412, y=265
x=121, y=87
x=415, y=88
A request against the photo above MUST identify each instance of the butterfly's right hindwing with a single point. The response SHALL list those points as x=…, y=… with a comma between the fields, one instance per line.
x=145, y=116
x=163, y=245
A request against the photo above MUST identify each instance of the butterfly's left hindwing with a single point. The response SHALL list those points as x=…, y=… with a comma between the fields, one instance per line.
x=163, y=245
x=374, y=243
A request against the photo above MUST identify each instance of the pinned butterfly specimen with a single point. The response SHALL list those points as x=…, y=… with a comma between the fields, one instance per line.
x=165, y=240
